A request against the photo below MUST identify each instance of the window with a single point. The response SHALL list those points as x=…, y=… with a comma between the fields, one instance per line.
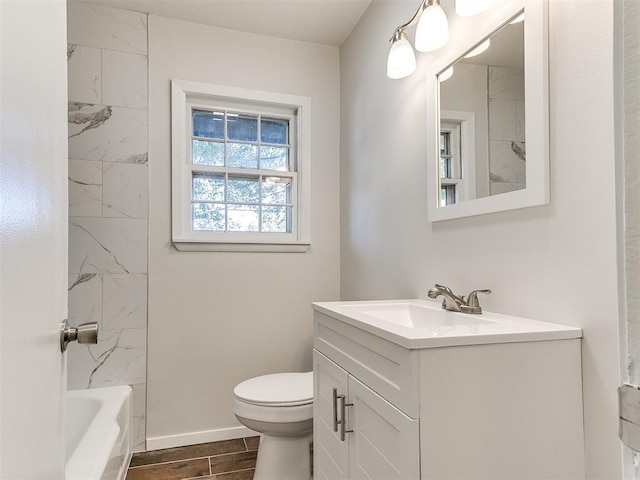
x=450, y=163
x=457, y=157
x=240, y=165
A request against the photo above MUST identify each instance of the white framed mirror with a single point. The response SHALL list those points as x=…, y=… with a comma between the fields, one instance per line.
x=488, y=121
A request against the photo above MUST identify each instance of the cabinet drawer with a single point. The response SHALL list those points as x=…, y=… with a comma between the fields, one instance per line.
x=388, y=369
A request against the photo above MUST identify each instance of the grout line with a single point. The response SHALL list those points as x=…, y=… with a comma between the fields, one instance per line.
x=246, y=447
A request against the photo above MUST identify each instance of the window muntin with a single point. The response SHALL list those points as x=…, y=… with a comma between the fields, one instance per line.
x=242, y=170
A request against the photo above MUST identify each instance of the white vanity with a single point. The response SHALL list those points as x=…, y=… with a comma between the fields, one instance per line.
x=406, y=390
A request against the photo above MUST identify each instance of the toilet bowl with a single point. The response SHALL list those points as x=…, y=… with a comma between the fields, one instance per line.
x=280, y=407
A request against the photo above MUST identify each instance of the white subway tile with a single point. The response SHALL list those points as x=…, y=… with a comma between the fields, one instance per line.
x=85, y=188
x=125, y=190
x=125, y=301
x=107, y=245
x=124, y=79
x=104, y=27
x=84, y=74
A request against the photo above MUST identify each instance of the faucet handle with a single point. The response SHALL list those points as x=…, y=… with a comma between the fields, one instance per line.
x=473, y=305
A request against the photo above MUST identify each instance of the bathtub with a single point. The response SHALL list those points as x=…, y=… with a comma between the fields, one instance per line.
x=98, y=433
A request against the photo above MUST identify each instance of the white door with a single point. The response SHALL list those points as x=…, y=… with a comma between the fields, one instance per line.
x=33, y=237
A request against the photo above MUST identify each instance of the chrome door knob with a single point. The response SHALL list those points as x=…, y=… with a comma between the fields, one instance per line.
x=83, y=333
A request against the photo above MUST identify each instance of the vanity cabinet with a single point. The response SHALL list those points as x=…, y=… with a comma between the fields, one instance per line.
x=358, y=434
x=457, y=410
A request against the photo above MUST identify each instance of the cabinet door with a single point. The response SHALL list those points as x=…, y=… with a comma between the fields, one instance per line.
x=330, y=454
x=385, y=443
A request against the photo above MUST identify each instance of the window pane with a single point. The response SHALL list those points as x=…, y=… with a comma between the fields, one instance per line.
x=241, y=155
x=276, y=190
x=207, y=216
x=274, y=158
x=242, y=127
x=276, y=219
x=208, y=124
x=243, y=218
x=243, y=189
x=274, y=131
x=208, y=187
x=207, y=153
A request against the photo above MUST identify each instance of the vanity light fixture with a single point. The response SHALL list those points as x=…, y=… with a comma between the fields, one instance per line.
x=432, y=33
x=479, y=49
x=468, y=8
x=402, y=60
x=446, y=75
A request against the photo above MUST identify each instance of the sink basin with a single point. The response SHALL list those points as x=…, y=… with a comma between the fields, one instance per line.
x=418, y=323
x=415, y=316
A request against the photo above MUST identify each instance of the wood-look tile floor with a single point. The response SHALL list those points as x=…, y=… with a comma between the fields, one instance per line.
x=226, y=460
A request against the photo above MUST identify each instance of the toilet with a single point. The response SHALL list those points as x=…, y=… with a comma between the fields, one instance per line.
x=280, y=407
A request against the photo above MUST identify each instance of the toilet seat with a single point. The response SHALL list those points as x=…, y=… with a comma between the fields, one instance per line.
x=276, y=390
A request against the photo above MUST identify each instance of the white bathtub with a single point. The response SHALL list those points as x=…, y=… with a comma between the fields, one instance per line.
x=98, y=433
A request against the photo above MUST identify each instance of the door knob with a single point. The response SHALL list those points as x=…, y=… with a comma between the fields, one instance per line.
x=83, y=333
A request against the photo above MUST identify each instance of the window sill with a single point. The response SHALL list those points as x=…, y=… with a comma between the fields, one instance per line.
x=199, y=246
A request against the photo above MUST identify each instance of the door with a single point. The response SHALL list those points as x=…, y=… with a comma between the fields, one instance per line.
x=33, y=237
x=330, y=453
x=385, y=443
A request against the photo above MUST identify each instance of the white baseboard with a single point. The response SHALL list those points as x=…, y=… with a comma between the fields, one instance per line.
x=180, y=440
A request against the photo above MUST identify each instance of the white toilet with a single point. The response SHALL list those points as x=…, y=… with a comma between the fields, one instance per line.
x=280, y=407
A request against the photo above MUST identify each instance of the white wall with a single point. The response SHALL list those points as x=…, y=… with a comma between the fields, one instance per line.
x=217, y=318
x=554, y=263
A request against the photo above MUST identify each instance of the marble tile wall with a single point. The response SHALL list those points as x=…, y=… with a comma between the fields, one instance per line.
x=506, y=130
x=108, y=198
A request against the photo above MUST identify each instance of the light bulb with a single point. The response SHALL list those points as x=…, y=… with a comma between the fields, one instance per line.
x=433, y=28
x=446, y=75
x=401, y=61
x=468, y=8
x=479, y=49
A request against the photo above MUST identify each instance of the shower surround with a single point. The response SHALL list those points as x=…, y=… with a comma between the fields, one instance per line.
x=108, y=199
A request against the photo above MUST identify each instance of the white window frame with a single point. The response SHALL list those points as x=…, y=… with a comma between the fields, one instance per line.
x=465, y=168
x=187, y=94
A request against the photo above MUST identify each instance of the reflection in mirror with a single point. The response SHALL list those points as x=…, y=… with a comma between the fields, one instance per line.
x=482, y=118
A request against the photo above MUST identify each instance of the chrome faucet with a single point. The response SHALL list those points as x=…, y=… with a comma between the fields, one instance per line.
x=455, y=303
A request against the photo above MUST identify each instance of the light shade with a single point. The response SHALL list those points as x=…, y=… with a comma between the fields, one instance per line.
x=479, y=49
x=401, y=61
x=518, y=19
x=446, y=75
x=433, y=29
x=467, y=8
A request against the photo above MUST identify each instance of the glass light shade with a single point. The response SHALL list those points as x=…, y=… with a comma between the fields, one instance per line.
x=401, y=61
x=446, y=75
x=468, y=8
x=432, y=31
x=518, y=19
x=479, y=49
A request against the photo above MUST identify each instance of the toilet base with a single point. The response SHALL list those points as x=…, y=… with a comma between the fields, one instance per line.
x=283, y=458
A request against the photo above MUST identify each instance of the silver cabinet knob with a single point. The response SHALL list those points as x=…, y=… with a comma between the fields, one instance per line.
x=83, y=333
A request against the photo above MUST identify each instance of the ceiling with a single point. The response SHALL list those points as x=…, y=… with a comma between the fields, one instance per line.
x=327, y=22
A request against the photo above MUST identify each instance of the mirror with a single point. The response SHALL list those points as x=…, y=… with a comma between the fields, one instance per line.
x=488, y=142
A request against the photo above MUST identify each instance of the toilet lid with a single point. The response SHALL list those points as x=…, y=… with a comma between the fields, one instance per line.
x=282, y=389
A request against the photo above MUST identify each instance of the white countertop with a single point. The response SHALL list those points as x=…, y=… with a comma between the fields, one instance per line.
x=416, y=323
